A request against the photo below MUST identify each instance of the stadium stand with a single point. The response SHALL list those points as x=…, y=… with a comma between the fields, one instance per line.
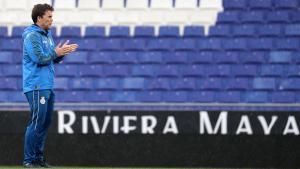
x=185, y=51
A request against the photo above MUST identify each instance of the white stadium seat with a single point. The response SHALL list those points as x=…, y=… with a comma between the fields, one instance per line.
x=65, y=4
x=31, y=3
x=212, y=4
x=161, y=4
x=15, y=5
x=113, y=4
x=137, y=4
x=186, y=4
x=89, y=5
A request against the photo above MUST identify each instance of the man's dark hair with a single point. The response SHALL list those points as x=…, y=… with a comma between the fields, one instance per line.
x=40, y=10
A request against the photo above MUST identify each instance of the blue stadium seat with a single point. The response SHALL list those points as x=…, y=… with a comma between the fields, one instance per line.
x=183, y=84
x=153, y=57
x=97, y=96
x=270, y=30
x=186, y=44
x=61, y=83
x=82, y=83
x=87, y=44
x=293, y=71
x=94, y=32
x=286, y=4
x=280, y=57
x=210, y=44
x=64, y=70
x=150, y=96
x=229, y=97
x=264, y=84
x=228, y=17
x=244, y=30
x=158, y=84
x=290, y=84
x=78, y=57
x=201, y=96
x=287, y=44
x=107, y=84
x=256, y=97
x=253, y=57
x=13, y=70
x=6, y=57
x=116, y=70
x=227, y=58
x=119, y=31
x=193, y=31
x=4, y=95
x=245, y=70
x=235, y=4
x=16, y=96
x=175, y=58
x=109, y=44
x=219, y=71
x=144, y=31
x=283, y=97
x=133, y=83
x=134, y=44
x=159, y=44
x=101, y=57
x=67, y=96
x=292, y=30
x=144, y=70
x=168, y=31
x=272, y=70
x=264, y=44
x=220, y=31
x=70, y=31
x=125, y=96
x=9, y=84
x=178, y=96
x=11, y=44
x=53, y=31
x=206, y=57
x=282, y=17
x=193, y=70
x=237, y=84
x=168, y=71
x=90, y=70
x=3, y=31
x=124, y=57
x=210, y=84
x=17, y=31
x=252, y=17
x=235, y=44
x=295, y=17
x=260, y=4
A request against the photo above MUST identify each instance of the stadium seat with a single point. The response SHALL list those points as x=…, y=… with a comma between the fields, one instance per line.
x=119, y=31
x=12, y=70
x=293, y=71
x=78, y=57
x=229, y=97
x=107, y=84
x=281, y=17
x=175, y=58
x=9, y=83
x=61, y=83
x=161, y=4
x=235, y=4
x=82, y=83
x=94, y=32
x=186, y=4
x=244, y=30
x=137, y=4
x=270, y=30
x=16, y=96
x=283, y=97
x=109, y=44
x=287, y=43
x=209, y=44
x=235, y=44
x=206, y=57
x=89, y=5
x=237, y=84
x=112, y=4
x=65, y=4
x=193, y=31
x=256, y=57
x=264, y=44
x=17, y=31
x=295, y=17
x=252, y=17
x=124, y=57
x=65, y=70
x=158, y=84
x=144, y=31
x=219, y=71
x=280, y=57
x=227, y=58
x=292, y=30
x=70, y=31
x=100, y=57
x=272, y=70
x=260, y=4
x=11, y=44
x=97, y=96
x=264, y=84
x=150, y=96
x=183, y=84
x=193, y=71
x=116, y=70
x=256, y=97
x=178, y=96
x=87, y=44
x=213, y=83
x=220, y=31
x=136, y=83
x=186, y=44
x=6, y=57
x=125, y=96
x=134, y=44
x=292, y=84
x=148, y=70
x=153, y=57
x=15, y=5
x=286, y=4
x=168, y=71
x=201, y=96
x=245, y=70
x=90, y=70
x=159, y=44
x=3, y=32
x=228, y=17
x=168, y=31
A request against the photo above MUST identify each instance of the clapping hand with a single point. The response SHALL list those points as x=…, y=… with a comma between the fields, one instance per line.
x=66, y=48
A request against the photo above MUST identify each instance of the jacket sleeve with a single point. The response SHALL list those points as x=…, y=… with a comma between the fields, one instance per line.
x=33, y=45
x=58, y=59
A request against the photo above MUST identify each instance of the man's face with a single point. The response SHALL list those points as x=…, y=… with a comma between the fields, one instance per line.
x=46, y=20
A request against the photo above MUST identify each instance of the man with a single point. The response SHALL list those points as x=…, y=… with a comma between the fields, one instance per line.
x=39, y=56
